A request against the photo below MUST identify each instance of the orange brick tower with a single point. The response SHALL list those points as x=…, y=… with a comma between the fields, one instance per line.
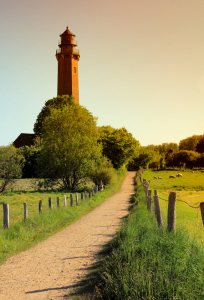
x=68, y=57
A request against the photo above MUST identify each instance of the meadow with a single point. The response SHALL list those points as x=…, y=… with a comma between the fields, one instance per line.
x=189, y=188
x=23, y=235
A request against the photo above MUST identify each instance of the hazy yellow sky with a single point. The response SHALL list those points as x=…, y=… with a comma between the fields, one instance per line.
x=141, y=64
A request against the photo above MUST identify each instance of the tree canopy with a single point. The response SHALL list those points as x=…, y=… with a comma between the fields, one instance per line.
x=145, y=157
x=200, y=146
x=163, y=148
x=30, y=155
x=69, y=146
x=190, y=143
x=58, y=103
x=189, y=158
x=119, y=146
x=11, y=162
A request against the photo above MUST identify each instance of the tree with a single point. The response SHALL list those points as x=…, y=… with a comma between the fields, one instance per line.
x=145, y=157
x=59, y=102
x=200, y=146
x=189, y=158
x=190, y=143
x=119, y=146
x=104, y=171
x=30, y=155
x=69, y=146
x=11, y=162
x=169, y=157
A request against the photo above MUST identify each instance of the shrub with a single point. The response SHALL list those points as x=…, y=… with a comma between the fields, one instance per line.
x=103, y=171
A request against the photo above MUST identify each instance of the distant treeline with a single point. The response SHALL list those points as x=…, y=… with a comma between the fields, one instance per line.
x=189, y=153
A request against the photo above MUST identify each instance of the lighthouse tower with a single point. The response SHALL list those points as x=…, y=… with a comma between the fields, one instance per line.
x=68, y=57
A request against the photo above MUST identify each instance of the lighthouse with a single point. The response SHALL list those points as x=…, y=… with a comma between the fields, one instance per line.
x=68, y=56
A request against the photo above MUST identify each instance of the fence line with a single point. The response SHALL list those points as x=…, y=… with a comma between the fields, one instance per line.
x=196, y=207
x=171, y=213
x=97, y=188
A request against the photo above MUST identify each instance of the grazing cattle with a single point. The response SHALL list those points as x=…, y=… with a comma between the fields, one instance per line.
x=159, y=177
x=172, y=176
x=155, y=177
x=179, y=175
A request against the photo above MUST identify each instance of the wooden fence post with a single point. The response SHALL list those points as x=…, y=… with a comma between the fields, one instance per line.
x=6, y=215
x=71, y=200
x=172, y=211
x=149, y=200
x=141, y=171
x=100, y=186
x=202, y=211
x=65, y=201
x=82, y=195
x=85, y=194
x=92, y=191
x=146, y=185
x=77, y=199
x=58, y=202
x=157, y=208
x=50, y=203
x=25, y=211
x=40, y=206
x=11, y=190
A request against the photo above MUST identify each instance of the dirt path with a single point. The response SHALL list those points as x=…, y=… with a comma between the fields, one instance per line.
x=50, y=269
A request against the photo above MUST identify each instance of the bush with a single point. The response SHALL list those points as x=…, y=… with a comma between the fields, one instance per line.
x=11, y=163
x=103, y=171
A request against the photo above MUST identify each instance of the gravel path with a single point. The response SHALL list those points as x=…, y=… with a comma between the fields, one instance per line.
x=51, y=268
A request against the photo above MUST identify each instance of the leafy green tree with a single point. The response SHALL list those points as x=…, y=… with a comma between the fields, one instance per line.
x=169, y=157
x=190, y=143
x=69, y=147
x=30, y=163
x=200, y=161
x=162, y=162
x=104, y=171
x=189, y=158
x=163, y=148
x=58, y=102
x=119, y=146
x=145, y=157
x=11, y=162
x=200, y=146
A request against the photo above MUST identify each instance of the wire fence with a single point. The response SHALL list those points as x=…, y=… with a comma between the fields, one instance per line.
x=174, y=212
x=22, y=207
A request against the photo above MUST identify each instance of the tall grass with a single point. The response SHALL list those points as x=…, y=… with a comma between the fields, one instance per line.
x=147, y=262
x=23, y=235
x=189, y=188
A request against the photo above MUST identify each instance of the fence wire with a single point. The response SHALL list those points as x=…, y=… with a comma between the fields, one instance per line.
x=188, y=216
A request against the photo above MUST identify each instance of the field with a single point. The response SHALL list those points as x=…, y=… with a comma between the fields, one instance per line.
x=189, y=188
x=145, y=261
x=22, y=235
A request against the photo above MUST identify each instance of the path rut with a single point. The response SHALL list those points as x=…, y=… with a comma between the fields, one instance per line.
x=51, y=269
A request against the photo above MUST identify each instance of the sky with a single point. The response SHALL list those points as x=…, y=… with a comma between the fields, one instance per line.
x=141, y=64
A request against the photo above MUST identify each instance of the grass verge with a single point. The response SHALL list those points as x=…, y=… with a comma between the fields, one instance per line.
x=23, y=235
x=147, y=262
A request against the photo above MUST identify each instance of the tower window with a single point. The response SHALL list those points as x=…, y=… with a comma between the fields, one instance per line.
x=74, y=69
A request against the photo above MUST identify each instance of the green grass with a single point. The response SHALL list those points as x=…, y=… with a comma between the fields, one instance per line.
x=146, y=262
x=189, y=182
x=189, y=188
x=23, y=235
